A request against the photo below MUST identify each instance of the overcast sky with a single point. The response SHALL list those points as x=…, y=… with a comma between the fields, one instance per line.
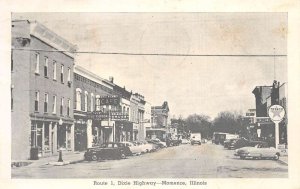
x=203, y=85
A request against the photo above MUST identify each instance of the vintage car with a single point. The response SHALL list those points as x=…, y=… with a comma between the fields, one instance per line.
x=231, y=143
x=107, y=151
x=185, y=141
x=173, y=142
x=241, y=142
x=260, y=151
x=158, y=143
x=134, y=147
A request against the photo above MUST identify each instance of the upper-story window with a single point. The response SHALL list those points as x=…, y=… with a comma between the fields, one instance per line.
x=78, y=99
x=46, y=103
x=61, y=106
x=54, y=70
x=37, y=63
x=46, y=67
x=85, y=101
x=69, y=74
x=92, y=102
x=69, y=107
x=36, y=101
x=98, y=103
x=127, y=111
x=62, y=74
x=54, y=105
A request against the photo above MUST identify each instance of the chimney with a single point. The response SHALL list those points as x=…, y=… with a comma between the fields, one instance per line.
x=111, y=79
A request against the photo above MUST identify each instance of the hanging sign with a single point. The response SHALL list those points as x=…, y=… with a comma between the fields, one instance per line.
x=276, y=113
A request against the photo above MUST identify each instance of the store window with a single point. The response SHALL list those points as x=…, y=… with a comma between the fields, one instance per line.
x=69, y=74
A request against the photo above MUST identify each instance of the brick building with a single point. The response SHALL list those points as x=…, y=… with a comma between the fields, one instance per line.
x=41, y=91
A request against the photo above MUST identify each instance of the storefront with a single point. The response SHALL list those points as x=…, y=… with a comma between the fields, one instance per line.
x=48, y=135
x=124, y=131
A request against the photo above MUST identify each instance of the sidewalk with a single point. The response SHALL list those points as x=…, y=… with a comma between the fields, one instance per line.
x=283, y=160
x=71, y=157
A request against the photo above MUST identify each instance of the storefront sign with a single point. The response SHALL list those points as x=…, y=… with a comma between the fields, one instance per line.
x=98, y=115
x=116, y=116
x=276, y=113
x=263, y=120
x=109, y=100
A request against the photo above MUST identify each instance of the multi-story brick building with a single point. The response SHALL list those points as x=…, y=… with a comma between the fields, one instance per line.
x=138, y=102
x=88, y=88
x=41, y=91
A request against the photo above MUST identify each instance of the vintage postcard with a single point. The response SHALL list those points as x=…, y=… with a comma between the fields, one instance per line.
x=150, y=99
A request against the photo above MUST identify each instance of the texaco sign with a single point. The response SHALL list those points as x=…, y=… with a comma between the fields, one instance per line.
x=276, y=113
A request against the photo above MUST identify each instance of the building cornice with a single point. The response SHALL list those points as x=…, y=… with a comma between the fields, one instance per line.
x=43, y=33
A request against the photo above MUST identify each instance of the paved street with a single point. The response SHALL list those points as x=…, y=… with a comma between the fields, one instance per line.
x=184, y=161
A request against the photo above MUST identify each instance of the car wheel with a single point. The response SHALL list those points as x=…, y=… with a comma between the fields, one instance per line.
x=94, y=157
x=123, y=156
x=276, y=157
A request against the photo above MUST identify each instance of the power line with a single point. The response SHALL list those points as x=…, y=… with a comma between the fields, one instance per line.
x=152, y=54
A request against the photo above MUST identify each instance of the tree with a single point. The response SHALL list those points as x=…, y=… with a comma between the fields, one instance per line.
x=199, y=123
x=228, y=122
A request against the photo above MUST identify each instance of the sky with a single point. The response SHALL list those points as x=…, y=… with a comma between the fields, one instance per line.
x=194, y=84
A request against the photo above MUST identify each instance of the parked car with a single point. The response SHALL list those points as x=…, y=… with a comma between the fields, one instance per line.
x=185, y=141
x=242, y=142
x=158, y=142
x=260, y=151
x=173, y=142
x=107, y=151
x=147, y=147
x=230, y=143
x=134, y=147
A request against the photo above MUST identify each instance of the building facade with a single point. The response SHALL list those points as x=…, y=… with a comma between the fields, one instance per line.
x=41, y=91
x=265, y=97
x=159, y=116
x=88, y=90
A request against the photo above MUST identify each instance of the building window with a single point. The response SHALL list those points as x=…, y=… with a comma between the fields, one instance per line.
x=61, y=105
x=54, y=70
x=97, y=103
x=69, y=107
x=69, y=74
x=46, y=67
x=78, y=99
x=85, y=101
x=54, y=105
x=46, y=103
x=37, y=63
x=11, y=98
x=36, y=101
x=92, y=102
x=62, y=74
x=12, y=61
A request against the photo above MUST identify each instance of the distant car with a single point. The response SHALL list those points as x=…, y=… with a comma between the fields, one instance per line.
x=173, y=142
x=147, y=147
x=107, y=151
x=203, y=140
x=195, y=138
x=230, y=143
x=185, y=141
x=260, y=151
x=158, y=142
x=134, y=147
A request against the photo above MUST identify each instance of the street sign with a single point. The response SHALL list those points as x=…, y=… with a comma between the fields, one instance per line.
x=109, y=100
x=145, y=121
x=263, y=120
x=276, y=113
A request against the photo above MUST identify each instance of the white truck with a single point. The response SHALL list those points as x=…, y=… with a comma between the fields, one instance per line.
x=195, y=138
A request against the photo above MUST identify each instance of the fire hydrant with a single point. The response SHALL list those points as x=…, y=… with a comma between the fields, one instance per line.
x=60, y=156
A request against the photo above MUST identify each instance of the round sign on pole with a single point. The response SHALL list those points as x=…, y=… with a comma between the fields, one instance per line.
x=276, y=113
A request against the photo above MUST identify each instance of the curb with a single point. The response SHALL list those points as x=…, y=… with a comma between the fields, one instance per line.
x=282, y=162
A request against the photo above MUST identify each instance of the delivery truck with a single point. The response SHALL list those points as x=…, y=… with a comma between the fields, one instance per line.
x=195, y=138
